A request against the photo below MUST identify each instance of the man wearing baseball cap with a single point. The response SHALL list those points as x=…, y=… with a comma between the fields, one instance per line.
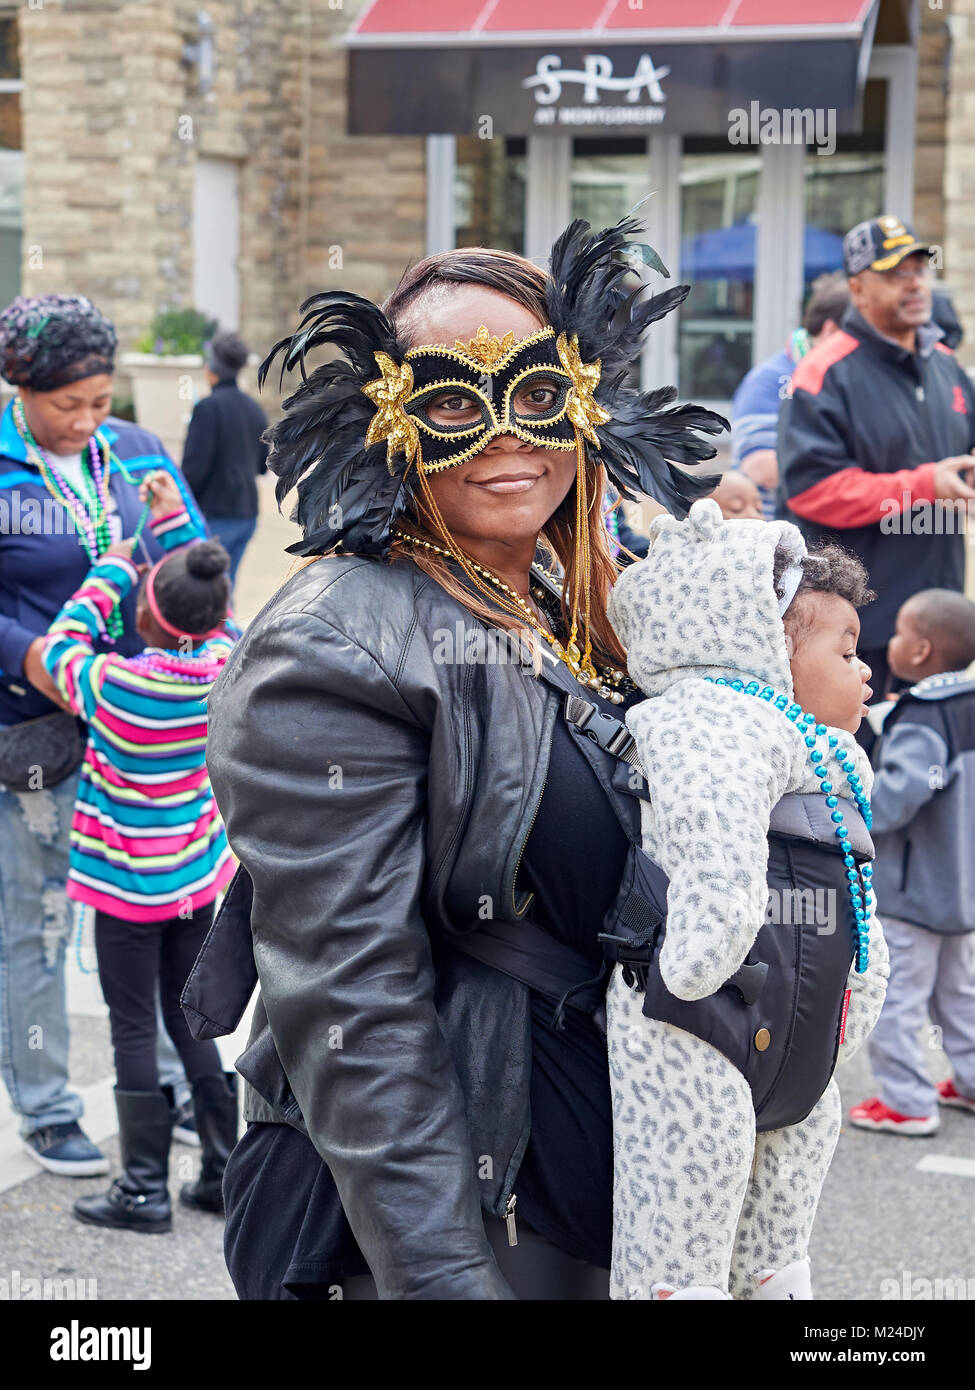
x=881, y=421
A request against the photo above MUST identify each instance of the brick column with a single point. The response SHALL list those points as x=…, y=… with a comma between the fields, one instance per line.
x=959, y=181
x=108, y=181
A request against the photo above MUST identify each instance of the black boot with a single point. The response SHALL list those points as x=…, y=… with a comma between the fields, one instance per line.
x=215, y=1104
x=139, y=1199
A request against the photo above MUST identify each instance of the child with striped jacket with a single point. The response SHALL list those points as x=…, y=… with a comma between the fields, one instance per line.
x=148, y=849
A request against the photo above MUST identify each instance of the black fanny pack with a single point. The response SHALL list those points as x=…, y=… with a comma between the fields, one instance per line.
x=39, y=753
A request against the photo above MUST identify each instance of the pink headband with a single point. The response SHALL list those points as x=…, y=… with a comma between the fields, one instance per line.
x=154, y=608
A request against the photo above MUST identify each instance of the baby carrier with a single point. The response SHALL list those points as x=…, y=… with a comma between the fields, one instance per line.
x=779, y=1019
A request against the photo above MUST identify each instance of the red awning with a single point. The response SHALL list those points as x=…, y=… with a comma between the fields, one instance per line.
x=421, y=67
x=472, y=22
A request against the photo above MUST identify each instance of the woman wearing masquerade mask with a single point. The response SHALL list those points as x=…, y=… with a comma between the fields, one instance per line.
x=428, y=847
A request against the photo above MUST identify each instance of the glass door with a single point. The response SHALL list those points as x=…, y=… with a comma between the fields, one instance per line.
x=845, y=187
x=489, y=193
x=719, y=194
x=609, y=177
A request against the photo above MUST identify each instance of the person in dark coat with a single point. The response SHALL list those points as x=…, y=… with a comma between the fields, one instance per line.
x=879, y=428
x=224, y=451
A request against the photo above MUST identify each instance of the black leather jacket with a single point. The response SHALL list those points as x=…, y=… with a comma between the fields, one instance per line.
x=379, y=792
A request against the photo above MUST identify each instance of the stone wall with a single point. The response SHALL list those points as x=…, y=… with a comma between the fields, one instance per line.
x=113, y=124
x=365, y=197
x=104, y=206
x=959, y=180
x=932, y=104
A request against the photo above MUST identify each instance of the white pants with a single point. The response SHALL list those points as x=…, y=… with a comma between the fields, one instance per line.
x=698, y=1198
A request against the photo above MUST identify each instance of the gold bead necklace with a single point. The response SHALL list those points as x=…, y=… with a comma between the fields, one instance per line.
x=602, y=682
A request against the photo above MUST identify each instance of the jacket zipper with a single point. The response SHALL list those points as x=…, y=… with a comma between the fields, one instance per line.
x=925, y=408
x=514, y=881
x=531, y=824
x=509, y=1220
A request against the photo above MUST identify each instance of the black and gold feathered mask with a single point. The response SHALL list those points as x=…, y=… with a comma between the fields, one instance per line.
x=536, y=389
x=358, y=431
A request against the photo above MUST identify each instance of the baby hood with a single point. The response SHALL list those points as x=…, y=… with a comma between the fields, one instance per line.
x=703, y=603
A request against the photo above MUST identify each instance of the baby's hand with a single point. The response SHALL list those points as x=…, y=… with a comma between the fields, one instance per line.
x=160, y=490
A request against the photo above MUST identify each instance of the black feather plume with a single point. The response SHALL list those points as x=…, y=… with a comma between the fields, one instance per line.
x=589, y=295
x=348, y=322
x=642, y=444
x=345, y=491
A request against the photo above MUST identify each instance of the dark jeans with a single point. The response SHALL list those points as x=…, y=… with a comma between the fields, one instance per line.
x=132, y=958
x=233, y=533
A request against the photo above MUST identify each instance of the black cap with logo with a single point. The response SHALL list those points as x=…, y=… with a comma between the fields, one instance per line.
x=879, y=244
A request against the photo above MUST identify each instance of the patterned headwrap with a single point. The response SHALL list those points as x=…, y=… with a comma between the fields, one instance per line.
x=52, y=340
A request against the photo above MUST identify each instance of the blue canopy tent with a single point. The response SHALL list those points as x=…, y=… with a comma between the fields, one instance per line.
x=728, y=253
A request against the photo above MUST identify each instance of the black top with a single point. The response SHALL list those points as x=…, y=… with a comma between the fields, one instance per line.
x=573, y=861
x=224, y=452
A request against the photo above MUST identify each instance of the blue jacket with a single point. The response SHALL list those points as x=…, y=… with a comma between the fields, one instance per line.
x=42, y=560
x=923, y=804
x=755, y=415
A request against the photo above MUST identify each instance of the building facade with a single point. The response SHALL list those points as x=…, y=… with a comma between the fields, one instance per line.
x=162, y=155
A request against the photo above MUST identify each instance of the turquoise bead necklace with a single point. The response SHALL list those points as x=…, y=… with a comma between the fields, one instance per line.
x=822, y=745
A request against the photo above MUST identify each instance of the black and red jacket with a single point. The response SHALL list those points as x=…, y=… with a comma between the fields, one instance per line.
x=857, y=445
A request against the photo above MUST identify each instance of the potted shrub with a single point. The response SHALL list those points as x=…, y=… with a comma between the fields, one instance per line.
x=167, y=373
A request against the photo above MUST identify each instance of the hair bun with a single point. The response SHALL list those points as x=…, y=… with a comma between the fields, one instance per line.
x=207, y=560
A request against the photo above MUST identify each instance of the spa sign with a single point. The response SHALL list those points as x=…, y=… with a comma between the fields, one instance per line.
x=676, y=88
x=607, y=97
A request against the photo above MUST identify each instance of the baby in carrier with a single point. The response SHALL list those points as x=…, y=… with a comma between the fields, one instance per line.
x=747, y=646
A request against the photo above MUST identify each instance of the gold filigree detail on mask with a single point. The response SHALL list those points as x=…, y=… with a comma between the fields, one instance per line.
x=391, y=422
x=484, y=348
x=582, y=409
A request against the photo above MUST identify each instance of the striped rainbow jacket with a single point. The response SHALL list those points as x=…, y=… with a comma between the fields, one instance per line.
x=147, y=841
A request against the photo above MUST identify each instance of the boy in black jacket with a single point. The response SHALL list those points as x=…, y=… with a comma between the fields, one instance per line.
x=923, y=805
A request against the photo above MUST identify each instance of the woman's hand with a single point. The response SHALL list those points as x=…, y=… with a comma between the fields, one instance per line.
x=37, y=673
x=160, y=490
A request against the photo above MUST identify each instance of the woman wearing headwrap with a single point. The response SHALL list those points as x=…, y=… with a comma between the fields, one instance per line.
x=428, y=847
x=69, y=488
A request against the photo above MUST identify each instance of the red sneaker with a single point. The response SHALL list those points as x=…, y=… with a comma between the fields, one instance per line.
x=947, y=1095
x=873, y=1114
